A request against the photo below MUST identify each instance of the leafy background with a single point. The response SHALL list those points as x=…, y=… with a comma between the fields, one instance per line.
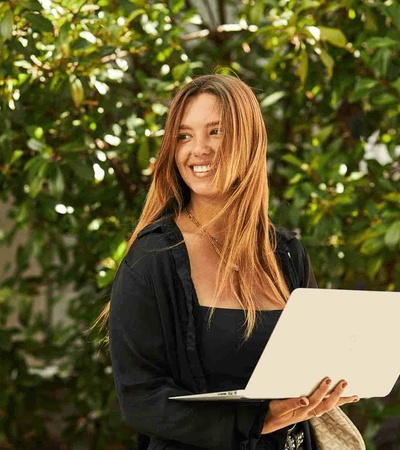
x=84, y=92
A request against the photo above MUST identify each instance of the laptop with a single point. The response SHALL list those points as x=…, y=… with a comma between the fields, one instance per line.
x=344, y=334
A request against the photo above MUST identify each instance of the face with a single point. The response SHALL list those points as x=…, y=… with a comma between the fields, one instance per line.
x=199, y=138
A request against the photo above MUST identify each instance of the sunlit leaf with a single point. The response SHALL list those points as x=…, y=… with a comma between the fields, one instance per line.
x=56, y=183
x=272, y=99
x=77, y=91
x=392, y=236
x=6, y=25
x=179, y=71
x=334, y=36
x=105, y=278
x=119, y=251
x=372, y=246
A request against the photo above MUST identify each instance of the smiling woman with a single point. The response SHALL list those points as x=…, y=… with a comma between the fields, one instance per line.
x=204, y=282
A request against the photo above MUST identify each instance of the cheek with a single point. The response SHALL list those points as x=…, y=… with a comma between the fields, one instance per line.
x=180, y=157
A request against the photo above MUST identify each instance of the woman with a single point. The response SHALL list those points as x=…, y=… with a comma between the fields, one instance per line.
x=204, y=281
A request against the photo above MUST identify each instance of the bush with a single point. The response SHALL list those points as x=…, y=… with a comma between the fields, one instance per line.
x=84, y=91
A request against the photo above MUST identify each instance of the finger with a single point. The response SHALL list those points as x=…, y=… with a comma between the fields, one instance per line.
x=279, y=408
x=344, y=400
x=320, y=393
x=331, y=401
x=322, y=408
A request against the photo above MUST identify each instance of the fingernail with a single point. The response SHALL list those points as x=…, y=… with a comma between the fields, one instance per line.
x=328, y=381
x=344, y=384
x=356, y=399
x=303, y=402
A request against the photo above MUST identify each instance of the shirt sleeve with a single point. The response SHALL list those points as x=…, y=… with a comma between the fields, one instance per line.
x=144, y=381
x=302, y=265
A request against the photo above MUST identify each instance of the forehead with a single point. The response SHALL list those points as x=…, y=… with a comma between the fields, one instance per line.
x=202, y=108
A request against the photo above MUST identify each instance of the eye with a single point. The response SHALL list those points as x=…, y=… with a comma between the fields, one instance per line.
x=216, y=132
x=183, y=136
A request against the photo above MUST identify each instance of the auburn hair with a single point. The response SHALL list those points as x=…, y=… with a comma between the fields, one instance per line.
x=248, y=260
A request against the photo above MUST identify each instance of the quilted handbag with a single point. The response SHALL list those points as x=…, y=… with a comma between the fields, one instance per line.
x=333, y=430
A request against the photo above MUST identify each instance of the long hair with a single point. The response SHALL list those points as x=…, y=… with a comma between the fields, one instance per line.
x=248, y=261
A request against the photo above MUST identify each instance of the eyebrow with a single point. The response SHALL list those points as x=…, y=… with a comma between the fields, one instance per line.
x=208, y=124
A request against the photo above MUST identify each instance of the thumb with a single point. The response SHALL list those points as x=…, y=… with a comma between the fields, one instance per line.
x=280, y=408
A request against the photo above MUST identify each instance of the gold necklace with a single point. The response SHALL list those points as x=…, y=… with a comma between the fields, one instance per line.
x=213, y=241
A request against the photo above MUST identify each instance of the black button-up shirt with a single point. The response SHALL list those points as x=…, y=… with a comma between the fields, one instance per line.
x=154, y=352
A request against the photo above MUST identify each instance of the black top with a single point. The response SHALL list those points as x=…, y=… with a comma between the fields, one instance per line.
x=228, y=359
x=154, y=352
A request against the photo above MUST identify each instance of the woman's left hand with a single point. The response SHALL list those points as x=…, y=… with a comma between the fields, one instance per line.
x=283, y=413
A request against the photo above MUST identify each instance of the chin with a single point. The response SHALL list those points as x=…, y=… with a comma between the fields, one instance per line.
x=206, y=194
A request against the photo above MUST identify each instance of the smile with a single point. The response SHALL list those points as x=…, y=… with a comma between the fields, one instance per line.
x=201, y=169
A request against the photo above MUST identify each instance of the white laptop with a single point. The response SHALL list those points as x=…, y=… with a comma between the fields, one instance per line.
x=343, y=334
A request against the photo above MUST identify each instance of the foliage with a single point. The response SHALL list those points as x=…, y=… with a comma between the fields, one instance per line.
x=84, y=90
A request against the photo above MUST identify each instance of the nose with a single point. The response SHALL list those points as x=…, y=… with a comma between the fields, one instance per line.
x=201, y=147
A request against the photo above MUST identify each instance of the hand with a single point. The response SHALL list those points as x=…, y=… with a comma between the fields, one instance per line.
x=283, y=413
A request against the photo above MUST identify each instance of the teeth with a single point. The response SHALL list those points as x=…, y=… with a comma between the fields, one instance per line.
x=202, y=168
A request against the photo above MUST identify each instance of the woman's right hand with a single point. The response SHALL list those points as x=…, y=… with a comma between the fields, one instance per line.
x=283, y=413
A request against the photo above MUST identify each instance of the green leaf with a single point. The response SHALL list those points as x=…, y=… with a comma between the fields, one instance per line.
x=105, y=278
x=77, y=91
x=176, y=5
x=328, y=62
x=362, y=89
x=392, y=236
x=334, y=36
x=385, y=99
x=272, y=99
x=302, y=67
x=35, y=132
x=6, y=25
x=179, y=71
x=119, y=251
x=393, y=11
x=371, y=23
x=16, y=156
x=396, y=84
x=143, y=155
x=372, y=246
x=383, y=59
x=256, y=12
x=381, y=42
x=39, y=146
x=56, y=181
x=306, y=4
x=292, y=159
x=32, y=5
x=373, y=267
x=39, y=23
x=84, y=171
x=325, y=132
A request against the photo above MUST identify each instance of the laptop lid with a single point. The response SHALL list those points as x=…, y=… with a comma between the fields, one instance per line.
x=343, y=334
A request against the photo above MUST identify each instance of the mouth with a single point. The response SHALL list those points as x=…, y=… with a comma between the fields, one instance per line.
x=201, y=169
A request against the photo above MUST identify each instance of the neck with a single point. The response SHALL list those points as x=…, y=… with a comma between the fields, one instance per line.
x=204, y=210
